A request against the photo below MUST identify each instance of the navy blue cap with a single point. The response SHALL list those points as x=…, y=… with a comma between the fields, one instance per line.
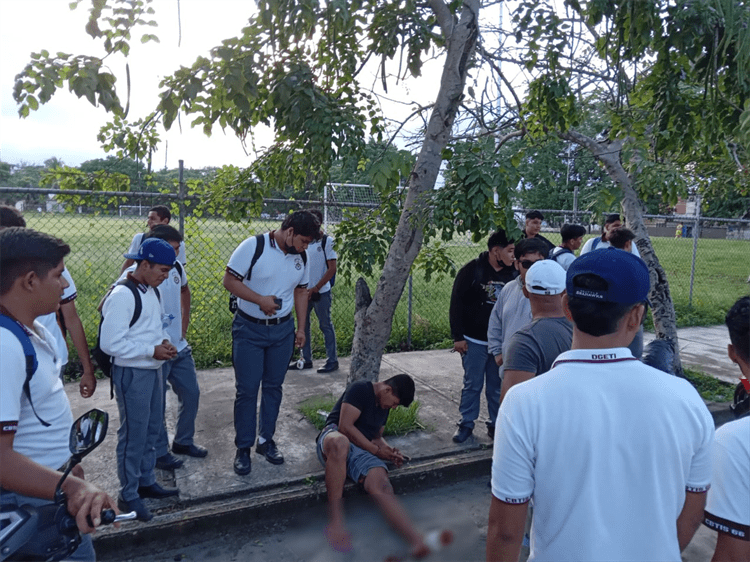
x=626, y=275
x=154, y=250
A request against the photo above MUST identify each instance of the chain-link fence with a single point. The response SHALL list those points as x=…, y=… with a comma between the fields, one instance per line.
x=707, y=264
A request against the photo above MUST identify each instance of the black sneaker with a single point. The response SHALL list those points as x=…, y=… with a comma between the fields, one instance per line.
x=269, y=450
x=137, y=505
x=168, y=462
x=242, y=464
x=462, y=434
x=155, y=491
x=329, y=367
x=191, y=450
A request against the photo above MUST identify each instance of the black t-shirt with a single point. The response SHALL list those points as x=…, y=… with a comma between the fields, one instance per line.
x=475, y=292
x=361, y=395
x=550, y=245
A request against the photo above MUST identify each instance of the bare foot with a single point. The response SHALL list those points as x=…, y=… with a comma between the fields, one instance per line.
x=433, y=541
x=339, y=538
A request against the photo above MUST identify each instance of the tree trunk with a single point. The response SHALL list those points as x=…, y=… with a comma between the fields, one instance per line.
x=372, y=326
x=665, y=321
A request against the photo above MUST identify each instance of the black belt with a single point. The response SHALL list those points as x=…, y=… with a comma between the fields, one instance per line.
x=264, y=321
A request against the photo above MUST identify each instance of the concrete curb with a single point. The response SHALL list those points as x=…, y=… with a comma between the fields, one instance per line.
x=258, y=511
x=261, y=507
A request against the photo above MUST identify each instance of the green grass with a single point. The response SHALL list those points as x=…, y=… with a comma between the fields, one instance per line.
x=400, y=421
x=98, y=243
x=710, y=388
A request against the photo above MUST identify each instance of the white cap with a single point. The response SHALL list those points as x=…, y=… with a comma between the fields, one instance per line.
x=545, y=277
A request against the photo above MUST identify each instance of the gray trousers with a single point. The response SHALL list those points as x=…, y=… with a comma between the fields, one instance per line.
x=140, y=400
x=180, y=373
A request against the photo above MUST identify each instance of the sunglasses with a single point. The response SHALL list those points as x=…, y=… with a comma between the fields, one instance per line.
x=526, y=264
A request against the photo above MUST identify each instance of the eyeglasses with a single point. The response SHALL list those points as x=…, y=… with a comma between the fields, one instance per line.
x=526, y=264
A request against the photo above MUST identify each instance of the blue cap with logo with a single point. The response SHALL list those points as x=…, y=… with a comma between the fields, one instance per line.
x=154, y=250
x=626, y=276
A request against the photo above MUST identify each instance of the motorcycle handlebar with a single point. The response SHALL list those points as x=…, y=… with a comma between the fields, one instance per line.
x=108, y=517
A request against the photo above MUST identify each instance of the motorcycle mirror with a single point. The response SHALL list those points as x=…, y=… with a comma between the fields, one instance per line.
x=88, y=432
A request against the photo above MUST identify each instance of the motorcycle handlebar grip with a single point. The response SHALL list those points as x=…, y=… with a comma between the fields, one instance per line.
x=108, y=516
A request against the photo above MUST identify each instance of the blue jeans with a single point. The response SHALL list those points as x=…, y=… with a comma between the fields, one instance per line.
x=260, y=354
x=479, y=365
x=140, y=400
x=180, y=373
x=358, y=461
x=322, y=309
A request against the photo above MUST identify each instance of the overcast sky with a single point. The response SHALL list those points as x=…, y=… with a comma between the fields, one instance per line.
x=67, y=126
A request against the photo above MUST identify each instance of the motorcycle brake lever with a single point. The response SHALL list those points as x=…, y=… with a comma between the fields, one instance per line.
x=126, y=517
x=108, y=517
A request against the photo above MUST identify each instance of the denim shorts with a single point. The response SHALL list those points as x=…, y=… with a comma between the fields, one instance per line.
x=358, y=462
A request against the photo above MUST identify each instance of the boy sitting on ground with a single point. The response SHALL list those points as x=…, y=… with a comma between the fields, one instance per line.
x=351, y=444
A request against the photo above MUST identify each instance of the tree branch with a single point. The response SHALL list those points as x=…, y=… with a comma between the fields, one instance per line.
x=444, y=17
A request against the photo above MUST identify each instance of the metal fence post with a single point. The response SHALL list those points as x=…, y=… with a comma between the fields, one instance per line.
x=181, y=200
x=696, y=230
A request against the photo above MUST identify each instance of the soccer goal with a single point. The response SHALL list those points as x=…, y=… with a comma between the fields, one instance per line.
x=133, y=210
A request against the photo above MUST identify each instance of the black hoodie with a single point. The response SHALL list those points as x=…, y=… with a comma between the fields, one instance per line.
x=475, y=292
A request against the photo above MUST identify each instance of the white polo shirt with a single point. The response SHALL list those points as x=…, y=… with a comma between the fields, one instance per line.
x=318, y=261
x=49, y=321
x=607, y=448
x=275, y=273
x=47, y=446
x=170, y=292
x=565, y=259
x=602, y=245
x=728, y=503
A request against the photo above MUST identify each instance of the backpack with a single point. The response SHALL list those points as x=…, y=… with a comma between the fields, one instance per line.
x=553, y=256
x=595, y=243
x=323, y=241
x=103, y=359
x=260, y=244
x=15, y=328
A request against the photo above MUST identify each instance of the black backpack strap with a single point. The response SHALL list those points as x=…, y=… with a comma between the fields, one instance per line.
x=15, y=328
x=136, y=315
x=137, y=296
x=260, y=242
x=554, y=255
x=323, y=242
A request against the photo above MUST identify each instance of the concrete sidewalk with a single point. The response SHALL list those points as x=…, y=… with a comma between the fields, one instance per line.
x=705, y=349
x=210, y=490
